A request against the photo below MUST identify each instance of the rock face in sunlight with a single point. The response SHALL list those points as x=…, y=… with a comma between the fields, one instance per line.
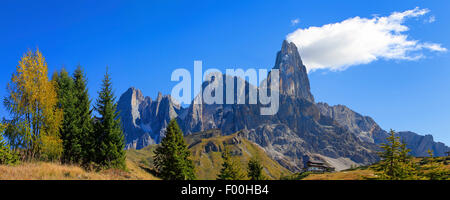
x=144, y=120
x=294, y=78
x=300, y=130
x=420, y=144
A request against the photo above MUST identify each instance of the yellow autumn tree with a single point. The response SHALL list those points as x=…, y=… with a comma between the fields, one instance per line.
x=31, y=102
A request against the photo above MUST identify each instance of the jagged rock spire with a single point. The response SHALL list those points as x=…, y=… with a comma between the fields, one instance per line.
x=293, y=75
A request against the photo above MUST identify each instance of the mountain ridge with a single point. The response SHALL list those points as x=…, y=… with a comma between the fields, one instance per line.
x=367, y=129
x=300, y=129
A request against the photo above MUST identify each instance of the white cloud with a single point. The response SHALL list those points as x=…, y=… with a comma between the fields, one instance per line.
x=431, y=19
x=295, y=21
x=357, y=40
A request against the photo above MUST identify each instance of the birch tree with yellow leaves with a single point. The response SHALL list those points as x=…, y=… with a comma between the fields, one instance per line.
x=31, y=102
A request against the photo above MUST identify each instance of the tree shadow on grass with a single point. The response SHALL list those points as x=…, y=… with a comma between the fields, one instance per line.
x=149, y=170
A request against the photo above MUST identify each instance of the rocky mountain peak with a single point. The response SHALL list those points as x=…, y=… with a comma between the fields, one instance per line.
x=130, y=100
x=133, y=93
x=144, y=120
x=288, y=48
x=293, y=75
x=159, y=97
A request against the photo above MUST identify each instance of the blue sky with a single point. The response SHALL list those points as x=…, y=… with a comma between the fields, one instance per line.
x=142, y=42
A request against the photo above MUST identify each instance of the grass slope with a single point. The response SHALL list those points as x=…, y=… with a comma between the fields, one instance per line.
x=207, y=156
x=55, y=171
x=142, y=159
x=206, y=148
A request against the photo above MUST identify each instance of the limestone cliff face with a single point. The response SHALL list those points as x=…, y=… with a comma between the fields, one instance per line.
x=364, y=127
x=144, y=120
x=420, y=144
x=294, y=79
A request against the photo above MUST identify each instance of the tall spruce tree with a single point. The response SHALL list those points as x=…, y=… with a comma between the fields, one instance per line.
x=72, y=149
x=109, y=136
x=84, y=122
x=172, y=156
x=230, y=168
x=255, y=169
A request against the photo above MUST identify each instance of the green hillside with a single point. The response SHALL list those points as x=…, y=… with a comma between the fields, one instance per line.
x=206, y=148
x=143, y=158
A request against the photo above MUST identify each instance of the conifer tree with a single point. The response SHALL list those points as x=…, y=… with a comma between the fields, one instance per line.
x=172, y=156
x=109, y=136
x=255, y=169
x=84, y=123
x=72, y=149
x=230, y=169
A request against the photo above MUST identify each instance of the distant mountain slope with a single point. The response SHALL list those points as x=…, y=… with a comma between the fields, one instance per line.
x=366, y=129
x=420, y=144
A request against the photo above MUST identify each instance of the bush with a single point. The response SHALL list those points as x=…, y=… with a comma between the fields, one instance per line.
x=7, y=157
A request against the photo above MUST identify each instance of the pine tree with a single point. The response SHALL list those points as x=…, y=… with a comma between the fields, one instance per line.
x=72, y=149
x=84, y=123
x=109, y=136
x=255, y=170
x=172, y=156
x=230, y=169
